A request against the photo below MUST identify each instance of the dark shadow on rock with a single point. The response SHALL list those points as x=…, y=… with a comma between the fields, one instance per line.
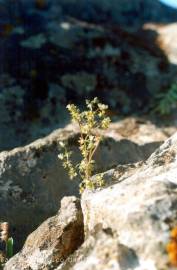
x=122, y=12
x=122, y=152
x=72, y=51
x=127, y=258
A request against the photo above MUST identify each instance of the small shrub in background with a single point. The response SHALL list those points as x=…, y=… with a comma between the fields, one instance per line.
x=166, y=102
x=93, y=118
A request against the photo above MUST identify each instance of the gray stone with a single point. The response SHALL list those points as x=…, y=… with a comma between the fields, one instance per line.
x=127, y=223
x=122, y=12
x=72, y=47
x=33, y=181
x=166, y=39
x=34, y=42
x=82, y=81
x=138, y=208
x=53, y=241
x=64, y=35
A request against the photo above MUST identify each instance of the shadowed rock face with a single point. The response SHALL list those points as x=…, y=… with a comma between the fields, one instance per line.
x=55, y=52
x=53, y=241
x=122, y=12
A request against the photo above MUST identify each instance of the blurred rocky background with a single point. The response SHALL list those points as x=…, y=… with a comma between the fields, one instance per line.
x=53, y=52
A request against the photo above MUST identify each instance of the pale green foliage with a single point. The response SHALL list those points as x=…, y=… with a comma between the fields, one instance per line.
x=9, y=247
x=167, y=101
x=93, y=118
x=4, y=257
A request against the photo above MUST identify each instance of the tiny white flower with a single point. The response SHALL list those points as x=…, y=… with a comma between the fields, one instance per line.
x=61, y=144
x=60, y=156
x=102, y=106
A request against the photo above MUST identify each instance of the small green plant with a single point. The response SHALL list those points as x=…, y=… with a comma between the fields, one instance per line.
x=167, y=101
x=7, y=243
x=8, y=253
x=89, y=122
x=9, y=247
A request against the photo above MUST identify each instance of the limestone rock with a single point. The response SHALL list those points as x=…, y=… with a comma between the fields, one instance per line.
x=132, y=217
x=139, y=131
x=166, y=39
x=100, y=243
x=53, y=240
x=33, y=181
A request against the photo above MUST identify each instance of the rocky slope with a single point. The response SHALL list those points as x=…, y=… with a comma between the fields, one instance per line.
x=55, y=52
x=127, y=224
x=33, y=181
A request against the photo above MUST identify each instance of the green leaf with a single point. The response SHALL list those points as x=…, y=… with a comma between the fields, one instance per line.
x=9, y=247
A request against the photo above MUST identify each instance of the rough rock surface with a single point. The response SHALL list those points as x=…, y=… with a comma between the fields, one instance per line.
x=122, y=12
x=33, y=181
x=128, y=223
x=53, y=240
x=55, y=52
x=165, y=39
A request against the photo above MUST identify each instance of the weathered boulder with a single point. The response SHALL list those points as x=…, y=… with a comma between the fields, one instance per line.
x=139, y=131
x=166, y=39
x=122, y=12
x=128, y=223
x=75, y=49
x=53, y=240
x=33, y=181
